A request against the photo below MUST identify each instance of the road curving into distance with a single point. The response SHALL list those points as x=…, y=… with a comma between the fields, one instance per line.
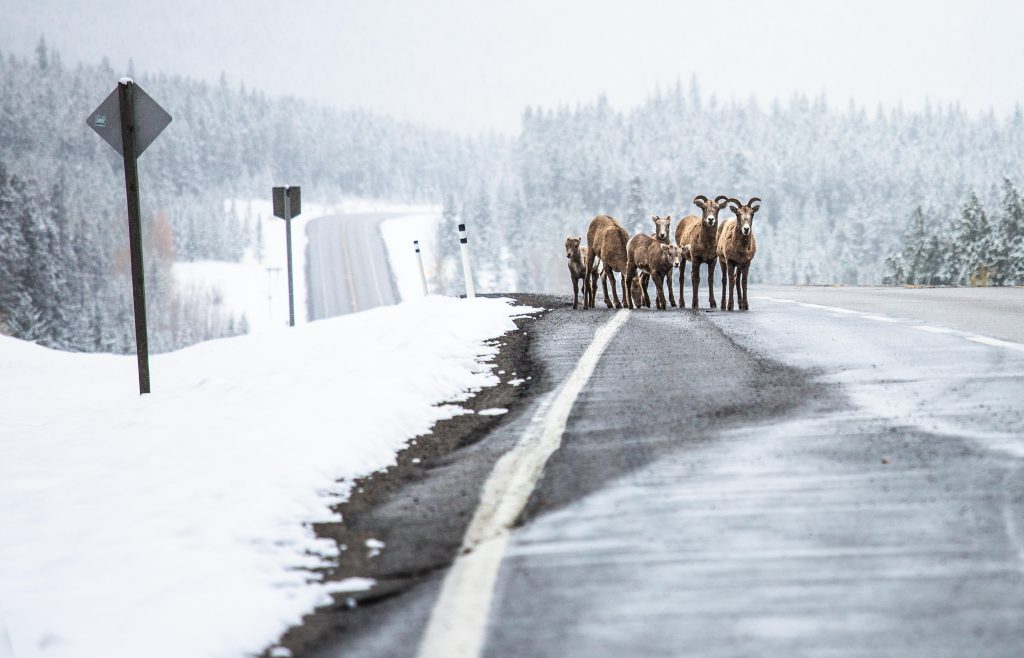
x=347, y=263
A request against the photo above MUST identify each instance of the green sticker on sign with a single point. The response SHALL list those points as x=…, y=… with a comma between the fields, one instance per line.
x=101, y=121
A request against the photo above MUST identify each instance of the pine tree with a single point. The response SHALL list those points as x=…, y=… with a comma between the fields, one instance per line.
x=1008, y=257
x=636, y=207
x=971, y=256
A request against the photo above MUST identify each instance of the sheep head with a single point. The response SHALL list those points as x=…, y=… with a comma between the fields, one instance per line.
x=572, y=247
x=710, y=208
x=745, y=214
x=661, y=227
x=673, y=252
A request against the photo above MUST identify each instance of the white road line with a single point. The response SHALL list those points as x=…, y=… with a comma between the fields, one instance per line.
x=932, y=329
x=353, y=305
x=995, y=342
x=369, y=251
x=459, y=618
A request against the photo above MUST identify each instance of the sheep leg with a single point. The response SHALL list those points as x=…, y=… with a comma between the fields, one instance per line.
x=694, y=283
x=724, y=264
x=590, y=275
x=604, y=285
x=731, y=267
x=659, y=281
x=615, y=293
x=745, y=305
x=682, y=288
x=576, y=291
x=645, y=298
x=711, y=283
x=627, y=290
x=671, y=296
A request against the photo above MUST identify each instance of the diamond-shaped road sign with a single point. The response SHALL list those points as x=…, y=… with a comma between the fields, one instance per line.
x=150, y=120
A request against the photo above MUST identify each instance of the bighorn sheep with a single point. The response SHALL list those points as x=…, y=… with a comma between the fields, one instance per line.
x=662, y=233
x=577, y=256
x=700, y=233
x=644, y=252
x=606, y=239
x=736, y=248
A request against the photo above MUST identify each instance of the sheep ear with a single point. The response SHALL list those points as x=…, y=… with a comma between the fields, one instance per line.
x=668, y=217
x=700, y=201
x=734, y=205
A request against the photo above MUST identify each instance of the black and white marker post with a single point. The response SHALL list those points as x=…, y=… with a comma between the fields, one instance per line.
x=129, y=120
x=466, y=268
x=419, y=259
x=288, y=204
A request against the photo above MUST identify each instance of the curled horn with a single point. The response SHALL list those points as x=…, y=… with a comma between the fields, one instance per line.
x=734, y=204
x=719, y=201
x=750, y=204
x=700, y=201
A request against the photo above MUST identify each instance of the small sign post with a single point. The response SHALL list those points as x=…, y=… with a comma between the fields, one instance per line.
x=288, y=204
x=419, y=259
x=129, y=120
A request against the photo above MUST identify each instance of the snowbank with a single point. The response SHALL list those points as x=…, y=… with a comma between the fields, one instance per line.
x=176, y=524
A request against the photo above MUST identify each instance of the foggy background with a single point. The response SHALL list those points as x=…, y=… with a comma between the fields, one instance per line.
x=886, y=139
x=469, y=66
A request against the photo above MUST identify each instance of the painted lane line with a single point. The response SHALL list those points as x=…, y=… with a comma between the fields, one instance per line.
x=995, y=342
x=458, y=620
x=932, y=329
x=347, y=261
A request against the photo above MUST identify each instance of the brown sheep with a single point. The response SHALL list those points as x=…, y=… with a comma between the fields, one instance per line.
x=606, y=239
x=700, y=233
x=577, y=256
x=736, y=248
x=647, y=253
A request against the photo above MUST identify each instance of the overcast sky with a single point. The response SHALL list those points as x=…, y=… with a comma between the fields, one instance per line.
x=471, y=65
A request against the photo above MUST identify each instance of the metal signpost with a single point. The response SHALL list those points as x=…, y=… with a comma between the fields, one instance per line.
x=423, y=275
x=129, y=120
x=288, y=204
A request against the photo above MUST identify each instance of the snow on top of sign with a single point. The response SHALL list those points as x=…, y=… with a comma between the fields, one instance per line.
x=126, y=81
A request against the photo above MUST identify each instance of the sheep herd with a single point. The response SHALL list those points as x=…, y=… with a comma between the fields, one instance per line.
x=702, y=240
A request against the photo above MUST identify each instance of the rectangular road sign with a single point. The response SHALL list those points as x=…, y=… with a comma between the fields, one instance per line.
x=294, y=201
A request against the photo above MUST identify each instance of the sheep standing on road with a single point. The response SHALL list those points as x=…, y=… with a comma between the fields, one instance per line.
x=577, y=256
x=736, y=248
x=646, y=253
x=701, y=234
x=606, y=239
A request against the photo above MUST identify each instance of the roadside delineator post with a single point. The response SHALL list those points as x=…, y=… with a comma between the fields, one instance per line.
x=288, y=204
x=419, y=258
x=466, y=268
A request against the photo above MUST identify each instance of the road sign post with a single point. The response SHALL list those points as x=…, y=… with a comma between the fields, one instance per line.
x=129, y=120
x=288, y=204
x=419, y=259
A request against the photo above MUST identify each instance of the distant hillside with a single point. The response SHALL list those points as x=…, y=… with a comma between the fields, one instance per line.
x=62, y=233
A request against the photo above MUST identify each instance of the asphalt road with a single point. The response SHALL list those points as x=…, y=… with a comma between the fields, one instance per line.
x=347, y=265
x=836, y=472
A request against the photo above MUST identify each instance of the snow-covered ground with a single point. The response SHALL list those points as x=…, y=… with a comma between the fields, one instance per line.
x=177, y=524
